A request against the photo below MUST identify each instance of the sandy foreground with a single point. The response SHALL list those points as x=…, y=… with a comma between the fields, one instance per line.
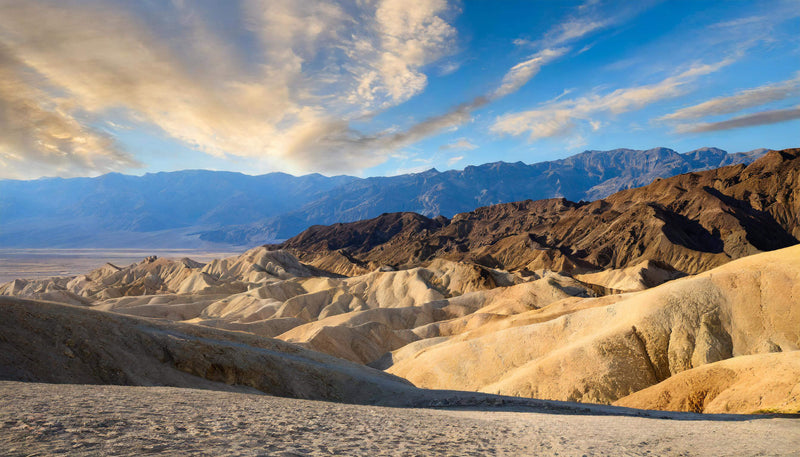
x=47, y=419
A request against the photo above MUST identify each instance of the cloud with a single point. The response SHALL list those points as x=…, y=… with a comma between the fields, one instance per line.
x=462, y=144
x=585, y=19
x=272, y=81
x=332, y=144
x=38, y=137
x=749, y=120
x=411, y=170
x=522, y=72
x=562, y=117
x=575, y=28
x=403, y=36
x=739, y=101
x=251, y=78
x=454, y=160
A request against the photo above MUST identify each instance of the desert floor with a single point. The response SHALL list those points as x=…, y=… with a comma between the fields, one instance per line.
x=48, y=419
x=44, y=263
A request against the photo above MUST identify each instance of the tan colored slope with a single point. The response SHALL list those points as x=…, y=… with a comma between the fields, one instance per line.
x=604, y=353
x=51, y=289
x=50, y=342
x=366, y=335
x=642, y=276
x=156, y=276
x=765, y=383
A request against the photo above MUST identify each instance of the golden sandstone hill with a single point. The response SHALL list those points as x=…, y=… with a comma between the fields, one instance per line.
x=587, y=302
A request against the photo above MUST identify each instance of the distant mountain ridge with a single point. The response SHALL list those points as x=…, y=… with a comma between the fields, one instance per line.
x=689, y=223
x=188, y=208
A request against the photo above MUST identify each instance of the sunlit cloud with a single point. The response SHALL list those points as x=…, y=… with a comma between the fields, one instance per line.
x=272, y=89
x=462, y=144
x=40, y=137
x=454, y=160
x=521, y=73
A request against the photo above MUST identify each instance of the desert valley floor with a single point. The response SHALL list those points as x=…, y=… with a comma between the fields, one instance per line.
x=40, y=420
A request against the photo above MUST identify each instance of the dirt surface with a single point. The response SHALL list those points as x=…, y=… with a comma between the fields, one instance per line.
x=49, y=419
x=45, y=263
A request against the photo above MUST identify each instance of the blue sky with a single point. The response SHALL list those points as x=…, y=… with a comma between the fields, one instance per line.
x=386, y=86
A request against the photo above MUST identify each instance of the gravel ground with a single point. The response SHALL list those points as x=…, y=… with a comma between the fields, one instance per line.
x=49, y=419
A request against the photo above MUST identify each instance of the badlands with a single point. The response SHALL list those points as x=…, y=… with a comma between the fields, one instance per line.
x=615, y=327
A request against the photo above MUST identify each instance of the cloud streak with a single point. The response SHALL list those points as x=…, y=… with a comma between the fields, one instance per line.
x=462, y=144
x=748, y=120
x=38, y=137
x=742, y=100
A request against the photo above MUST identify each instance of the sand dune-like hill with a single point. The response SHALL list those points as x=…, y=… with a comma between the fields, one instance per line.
x=57, y=343
x=691, y=222
x=758, y=383
x=603, y=351
x=271, y=294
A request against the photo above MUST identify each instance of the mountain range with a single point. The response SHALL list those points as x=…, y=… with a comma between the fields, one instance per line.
x=689, y=223
x=196, y=207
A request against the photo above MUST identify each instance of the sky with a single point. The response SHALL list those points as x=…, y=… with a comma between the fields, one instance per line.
x=384, y=87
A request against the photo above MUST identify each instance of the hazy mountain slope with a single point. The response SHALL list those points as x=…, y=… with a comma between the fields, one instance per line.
x=80, y=211
x=689, y=222
x=586, y=176
x=169, y=209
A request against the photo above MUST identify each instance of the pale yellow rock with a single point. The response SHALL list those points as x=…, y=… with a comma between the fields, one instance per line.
x=642, y=276
x=759, y=383
x=606, y=352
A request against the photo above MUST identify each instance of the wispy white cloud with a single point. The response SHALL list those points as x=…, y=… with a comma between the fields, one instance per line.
x=742, y=100
x=521, y=73
x=277, y=81
x=562, y=117
x=40, y=136
x=404, y=36
x=454, y=160
x=585, y=19
x=748, y=120
x=410, y=170
x=462, y=144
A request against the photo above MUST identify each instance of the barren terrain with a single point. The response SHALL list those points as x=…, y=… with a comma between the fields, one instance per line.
x=46, y=419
